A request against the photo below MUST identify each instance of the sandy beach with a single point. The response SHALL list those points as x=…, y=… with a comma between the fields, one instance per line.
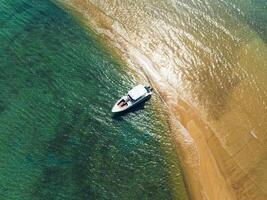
x=216, y=164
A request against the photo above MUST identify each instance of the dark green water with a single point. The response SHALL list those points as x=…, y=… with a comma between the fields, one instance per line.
x=58, y=139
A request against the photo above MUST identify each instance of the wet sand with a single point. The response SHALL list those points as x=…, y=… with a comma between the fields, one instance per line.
x=217, y=164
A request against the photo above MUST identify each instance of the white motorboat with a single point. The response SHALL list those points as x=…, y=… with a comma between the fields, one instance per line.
x=135, y=96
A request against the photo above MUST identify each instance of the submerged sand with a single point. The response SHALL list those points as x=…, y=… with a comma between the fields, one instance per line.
x=219, y=127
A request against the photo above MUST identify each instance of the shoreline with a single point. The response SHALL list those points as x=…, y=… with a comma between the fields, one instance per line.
x=116, y=52
x=209, y=170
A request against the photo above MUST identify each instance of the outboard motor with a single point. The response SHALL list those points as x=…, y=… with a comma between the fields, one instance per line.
x=148, y=88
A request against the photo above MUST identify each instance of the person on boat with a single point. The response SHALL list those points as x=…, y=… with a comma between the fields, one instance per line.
x=123, y=102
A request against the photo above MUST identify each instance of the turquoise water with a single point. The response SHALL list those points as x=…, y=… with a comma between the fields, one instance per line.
x=58, y=139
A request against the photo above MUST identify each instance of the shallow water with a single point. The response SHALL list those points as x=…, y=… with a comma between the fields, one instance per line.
x=212, y=55
x=58, y=138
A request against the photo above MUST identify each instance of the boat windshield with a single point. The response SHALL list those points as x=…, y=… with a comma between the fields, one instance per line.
x=129, y=98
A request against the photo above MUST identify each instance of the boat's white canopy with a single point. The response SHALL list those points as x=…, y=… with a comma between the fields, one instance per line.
x=137, y=92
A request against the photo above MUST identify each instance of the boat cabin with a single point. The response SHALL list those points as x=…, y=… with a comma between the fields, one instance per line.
x=137, y=92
